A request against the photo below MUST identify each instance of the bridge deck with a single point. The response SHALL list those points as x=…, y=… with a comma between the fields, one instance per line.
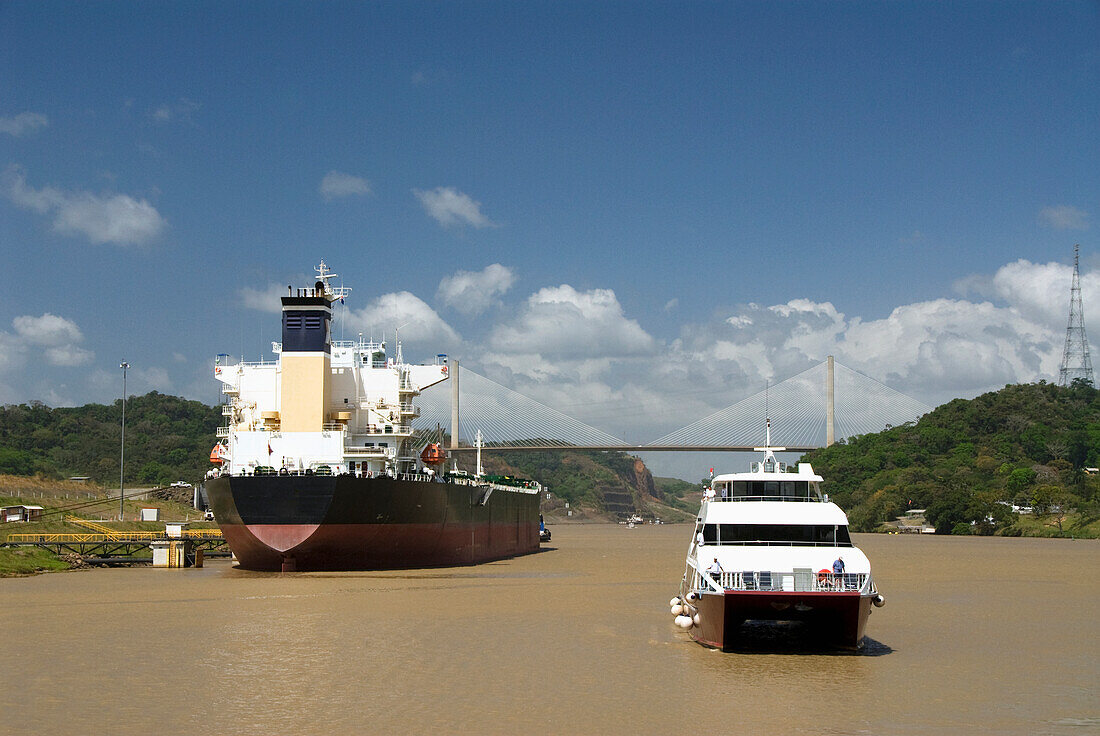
x=624, y=448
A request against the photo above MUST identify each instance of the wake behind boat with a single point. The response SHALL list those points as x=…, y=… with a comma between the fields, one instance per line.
x=768, y=546
x=319, y=469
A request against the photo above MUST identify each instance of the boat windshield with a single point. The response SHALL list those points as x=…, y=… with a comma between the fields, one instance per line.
x=756, y=490
x=810, y=535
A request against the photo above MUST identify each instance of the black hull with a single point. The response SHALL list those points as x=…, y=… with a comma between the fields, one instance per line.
x=839, y=618
x=346, y=522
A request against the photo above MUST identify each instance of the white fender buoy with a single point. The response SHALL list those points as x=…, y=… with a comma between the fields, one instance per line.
x=695, y=618
x=691, y=596
x=675, y=601
x=677, y=610
x=684, y=622
x=879, y=600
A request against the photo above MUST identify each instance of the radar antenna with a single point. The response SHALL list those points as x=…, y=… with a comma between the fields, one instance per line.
x=323, y=275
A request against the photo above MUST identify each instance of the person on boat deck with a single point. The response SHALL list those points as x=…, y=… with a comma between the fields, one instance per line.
x=715, y=569
x=838, y=566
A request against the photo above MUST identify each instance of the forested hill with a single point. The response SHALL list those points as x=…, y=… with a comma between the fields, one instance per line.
x=597, y=485
x=167, y=438
x=1027, y=445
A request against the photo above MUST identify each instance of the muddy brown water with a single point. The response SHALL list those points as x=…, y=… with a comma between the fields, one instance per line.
x=986, y=635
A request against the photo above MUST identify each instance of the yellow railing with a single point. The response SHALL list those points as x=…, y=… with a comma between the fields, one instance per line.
x=89, y=524
x=113, y=535
x=192, y=534
x=60, y=538
x=104, y=533
x=202, y=533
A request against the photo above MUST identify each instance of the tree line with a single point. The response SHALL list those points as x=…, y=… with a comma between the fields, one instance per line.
x=970, y=463
x=168, y=438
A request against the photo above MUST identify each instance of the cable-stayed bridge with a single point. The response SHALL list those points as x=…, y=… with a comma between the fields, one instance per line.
x=807, y=411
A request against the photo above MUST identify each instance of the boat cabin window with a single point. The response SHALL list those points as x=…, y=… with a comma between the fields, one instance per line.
x=710, y=534
x=774, y=489
x=811, y=535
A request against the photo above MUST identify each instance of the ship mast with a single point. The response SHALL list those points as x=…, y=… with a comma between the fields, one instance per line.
x=323, y=276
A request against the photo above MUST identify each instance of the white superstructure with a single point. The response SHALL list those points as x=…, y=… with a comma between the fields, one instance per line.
x=321, y=405
x=772, y=520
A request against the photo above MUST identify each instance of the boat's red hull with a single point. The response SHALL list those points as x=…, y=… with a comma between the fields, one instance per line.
x=380, y=546
x=839, y=617
x=350, y=523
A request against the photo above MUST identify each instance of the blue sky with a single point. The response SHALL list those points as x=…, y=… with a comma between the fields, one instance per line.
x=660, y=204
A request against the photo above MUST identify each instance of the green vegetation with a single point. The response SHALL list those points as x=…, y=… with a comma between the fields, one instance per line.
x=607, y=483
x=28, y=560
x=167, y=438
x=969, y=462
x=62, y=499
x=678, y=493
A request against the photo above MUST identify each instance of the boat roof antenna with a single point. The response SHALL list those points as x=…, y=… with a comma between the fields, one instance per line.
x=767, y=449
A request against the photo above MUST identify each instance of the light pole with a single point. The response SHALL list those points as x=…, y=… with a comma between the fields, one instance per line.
x=122, y=457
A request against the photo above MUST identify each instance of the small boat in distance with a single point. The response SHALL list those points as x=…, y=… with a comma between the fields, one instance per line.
x=768, y=546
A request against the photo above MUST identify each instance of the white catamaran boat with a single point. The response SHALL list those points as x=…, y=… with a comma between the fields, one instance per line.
x=768, y=546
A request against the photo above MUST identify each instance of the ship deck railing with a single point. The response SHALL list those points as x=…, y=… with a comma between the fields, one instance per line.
x=798, y=581
x=359, y=451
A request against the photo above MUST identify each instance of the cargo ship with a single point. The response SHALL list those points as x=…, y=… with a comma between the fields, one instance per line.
x=318, y=466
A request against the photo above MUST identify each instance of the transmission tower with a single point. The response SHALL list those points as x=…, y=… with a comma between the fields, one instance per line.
x=1076, y=362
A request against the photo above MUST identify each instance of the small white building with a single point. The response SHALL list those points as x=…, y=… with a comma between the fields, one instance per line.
x=150, y=514
x=20, y=513
x=174, y=529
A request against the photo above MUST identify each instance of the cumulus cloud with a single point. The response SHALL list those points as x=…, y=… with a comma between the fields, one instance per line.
x=338, y=184
x=264, y=300
x=1064, y=217
x=106, y=218
x=473, y=292
x=932, y=350
x=561, y=322
x=448, y=206
x=406, y=312
x=23, y=123
x=54, y=338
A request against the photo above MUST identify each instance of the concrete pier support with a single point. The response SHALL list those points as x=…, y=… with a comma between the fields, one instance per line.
x=453, y=372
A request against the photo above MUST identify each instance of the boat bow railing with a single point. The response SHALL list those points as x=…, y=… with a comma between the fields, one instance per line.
x=798, y=581
x=704, y=581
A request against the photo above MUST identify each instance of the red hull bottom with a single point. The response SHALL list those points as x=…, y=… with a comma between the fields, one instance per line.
x=838, y=618
x=289, y=547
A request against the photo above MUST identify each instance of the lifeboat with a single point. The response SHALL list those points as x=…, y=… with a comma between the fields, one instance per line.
x=218, y=454
x=433, y=454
